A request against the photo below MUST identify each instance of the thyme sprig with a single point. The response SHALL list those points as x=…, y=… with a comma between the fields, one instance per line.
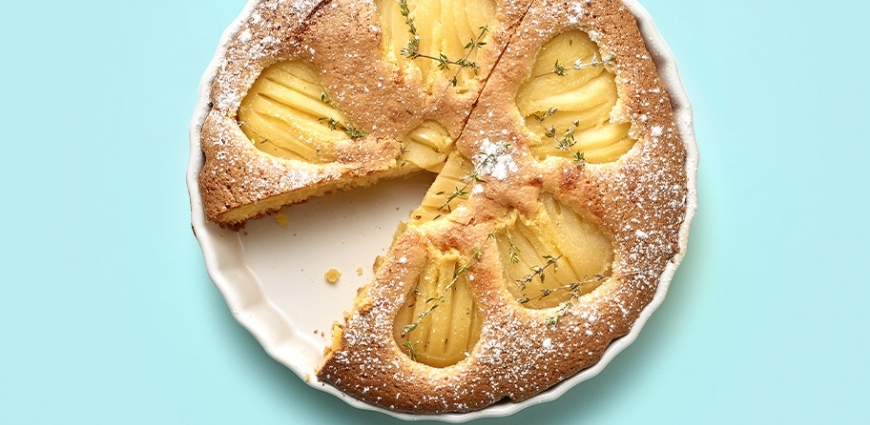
x=559, y=69
x=475, y=44
x=333, y=124
x=460, y=192
x=513, y=251
x=538, y=271
x=566, y=141
x=578, y=65
x=563, y=308
x=411, y=347
x=346, y=127
x=573, y=288
x=550, y=112
x=476, y=255
x=434, y=303
x=412, y=49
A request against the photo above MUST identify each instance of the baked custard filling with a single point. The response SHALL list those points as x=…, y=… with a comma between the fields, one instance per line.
x=567, y=101
x=287, y=113
x=439, y=324
x=427, y=146
x=432, y=37
x=450, y=190
x=554, y=257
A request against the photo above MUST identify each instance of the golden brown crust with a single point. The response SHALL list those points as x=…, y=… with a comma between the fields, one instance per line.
x=639, y=201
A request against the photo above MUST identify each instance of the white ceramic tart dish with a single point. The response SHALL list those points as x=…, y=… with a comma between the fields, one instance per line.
x=551, y=144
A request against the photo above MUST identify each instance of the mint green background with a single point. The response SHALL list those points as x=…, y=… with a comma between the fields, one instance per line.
x=107, y=315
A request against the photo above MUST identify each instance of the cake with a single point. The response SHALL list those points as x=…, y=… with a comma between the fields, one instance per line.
x=560, y=193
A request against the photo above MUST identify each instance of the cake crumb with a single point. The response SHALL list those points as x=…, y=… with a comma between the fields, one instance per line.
x=282, y=219
x=379, y=261
x=332, y=275
x=359, y=271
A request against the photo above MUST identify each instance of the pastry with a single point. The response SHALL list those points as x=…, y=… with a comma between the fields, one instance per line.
x=316, y=96
x=561, y=188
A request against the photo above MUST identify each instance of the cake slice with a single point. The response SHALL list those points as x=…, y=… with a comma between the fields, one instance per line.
x=314, y=97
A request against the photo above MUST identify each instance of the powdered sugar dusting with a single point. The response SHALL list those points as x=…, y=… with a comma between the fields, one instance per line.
x=575, y=13
x=495, y=159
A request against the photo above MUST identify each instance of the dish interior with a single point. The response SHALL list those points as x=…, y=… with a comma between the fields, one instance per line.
x=290, y=253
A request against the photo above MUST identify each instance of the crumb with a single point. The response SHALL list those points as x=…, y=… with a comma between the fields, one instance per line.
x=246, y=233
x=307, y=377
x=332, y=275
x=282, y=219
x=379, y=260
x=359, y=271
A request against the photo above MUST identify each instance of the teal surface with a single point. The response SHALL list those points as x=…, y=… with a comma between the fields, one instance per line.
x=108, y=317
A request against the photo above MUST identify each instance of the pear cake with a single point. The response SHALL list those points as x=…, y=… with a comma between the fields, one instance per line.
x=560, y=194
